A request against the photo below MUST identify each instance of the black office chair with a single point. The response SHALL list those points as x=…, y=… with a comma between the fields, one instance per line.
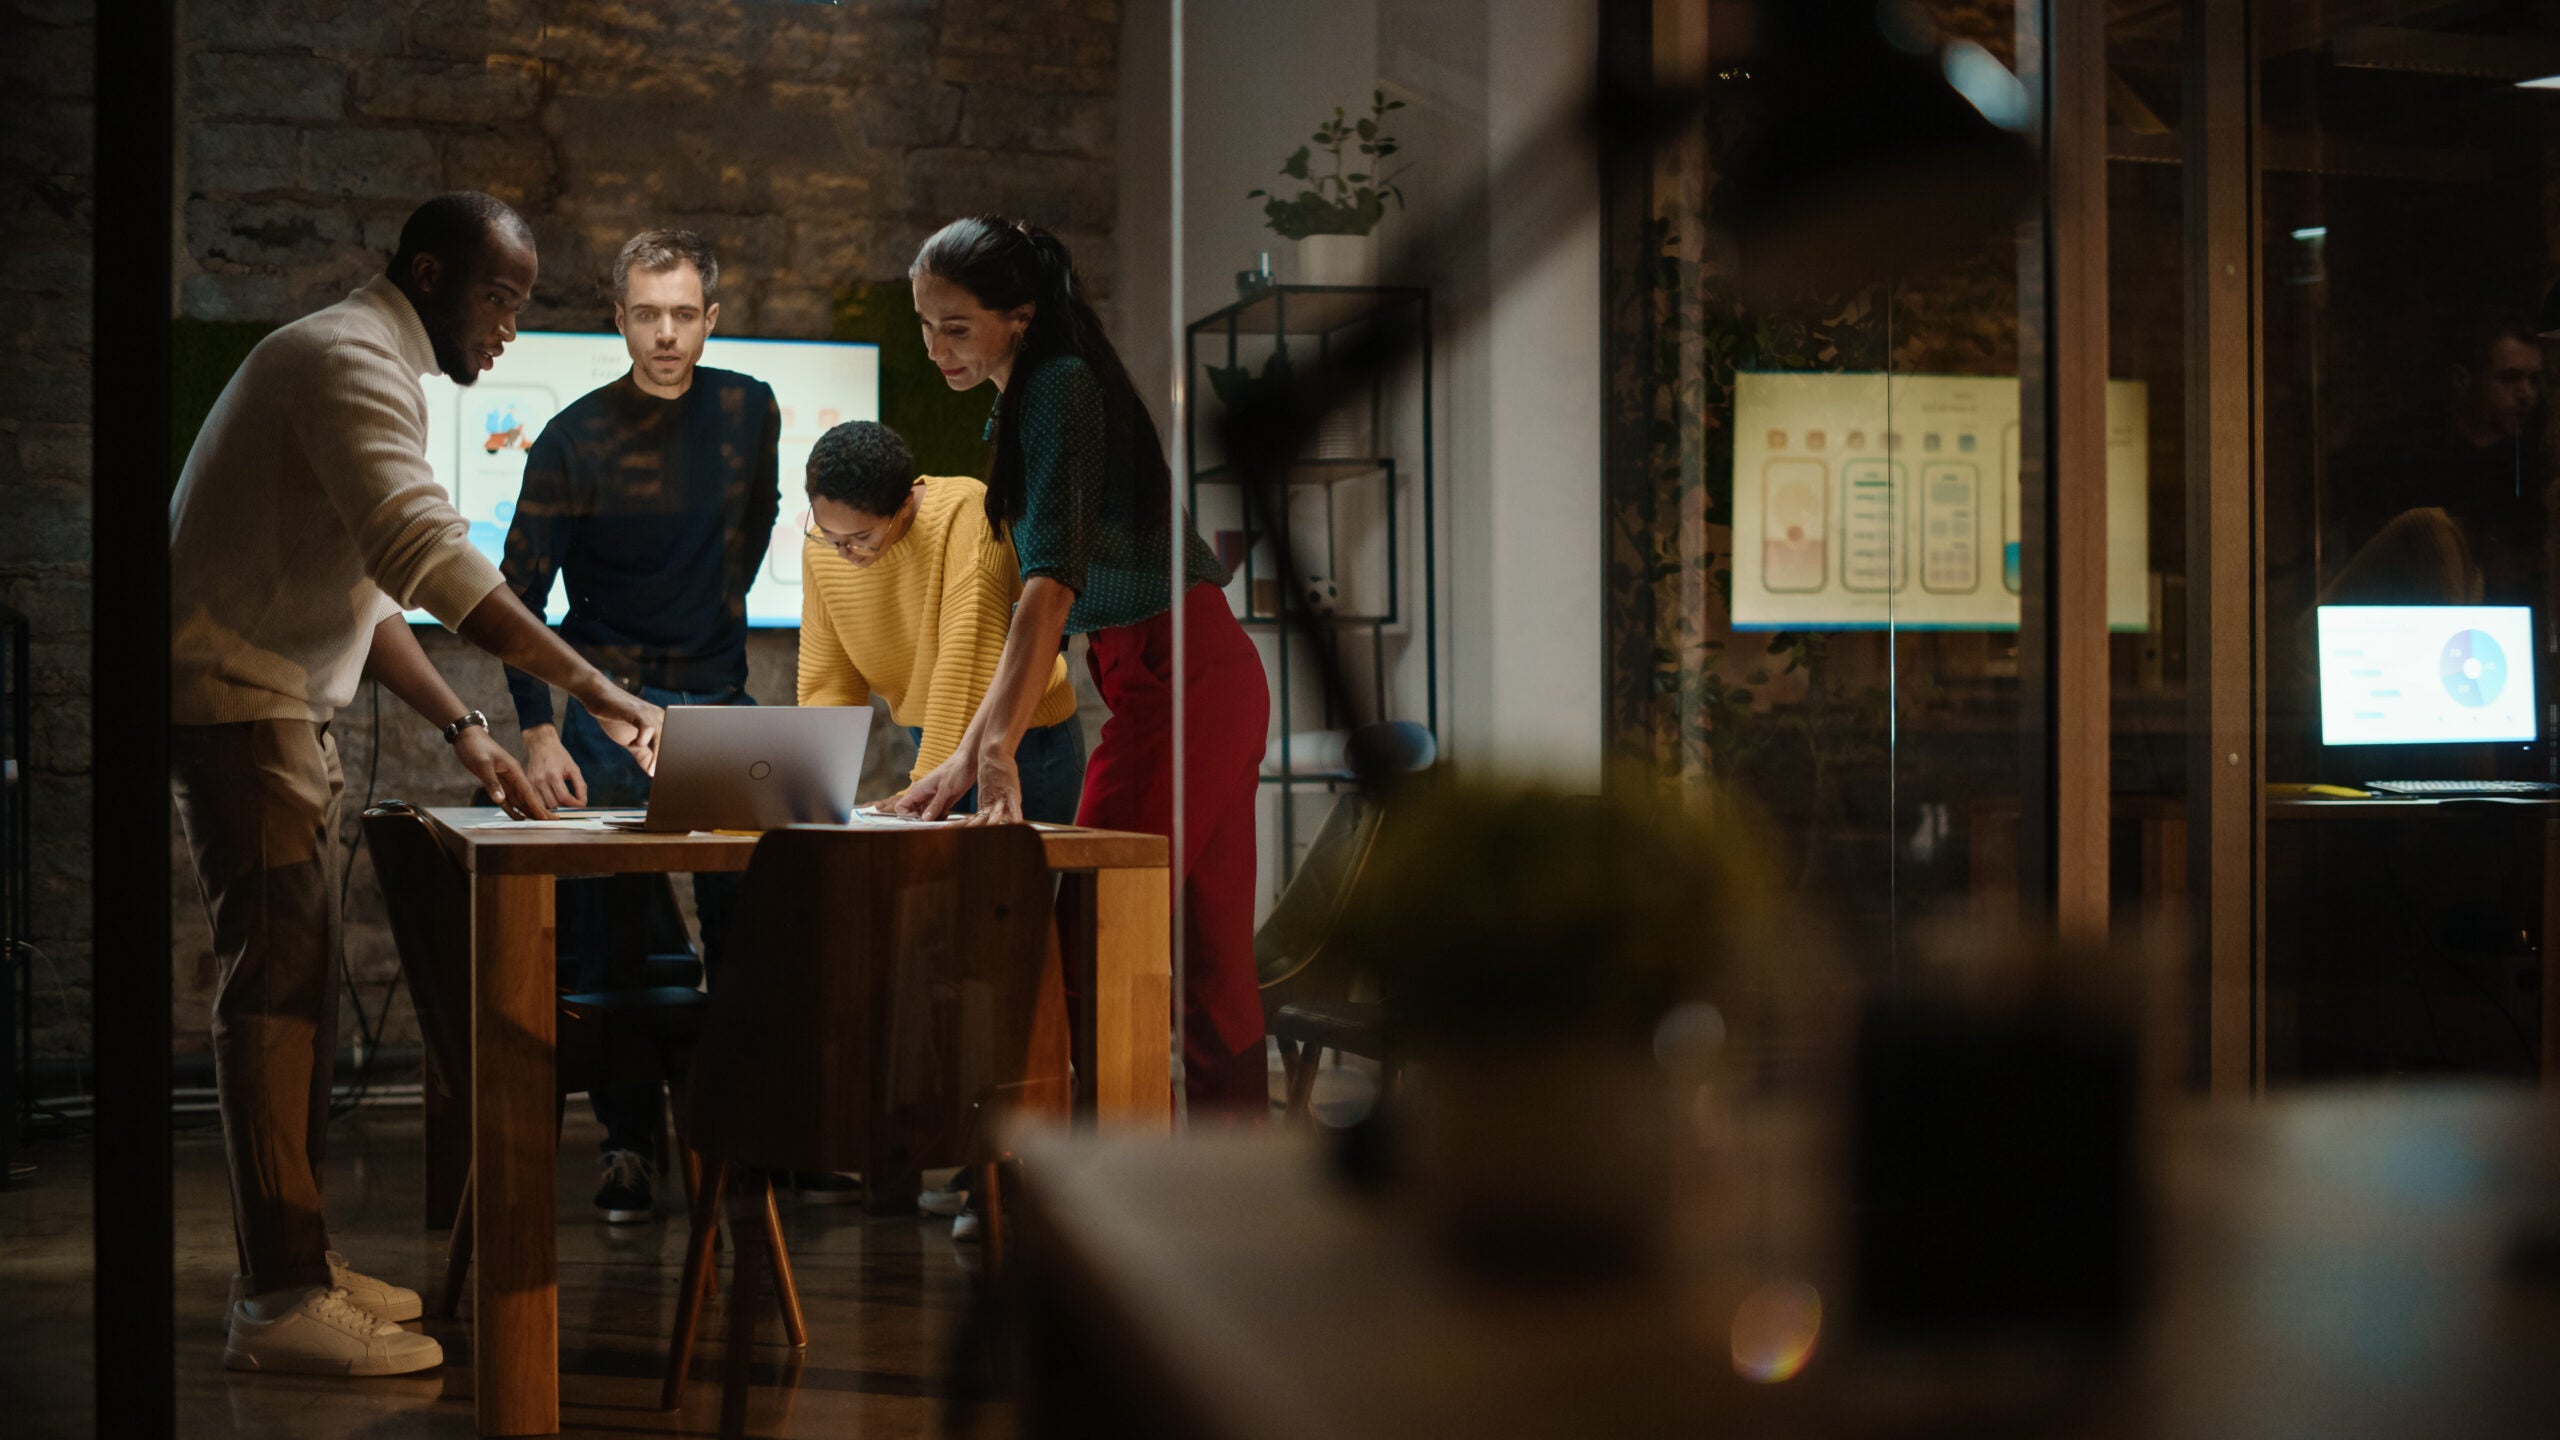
x=1307, y=986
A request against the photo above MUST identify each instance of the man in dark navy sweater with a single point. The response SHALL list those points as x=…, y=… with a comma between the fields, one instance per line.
x=654, y=498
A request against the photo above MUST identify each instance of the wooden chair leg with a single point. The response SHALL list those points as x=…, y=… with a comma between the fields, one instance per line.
x=1288, y=1069
x=457, y=1255
x=794, y=1324
x=710, y=1180
x=1300, y=1063
x=991, y=1216
x=754, y=1187
x=448, y=1143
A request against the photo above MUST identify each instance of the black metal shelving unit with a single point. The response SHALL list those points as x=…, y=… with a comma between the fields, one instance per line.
x=1303, y=322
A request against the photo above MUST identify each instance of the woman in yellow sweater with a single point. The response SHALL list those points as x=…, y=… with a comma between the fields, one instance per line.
x=906, y=593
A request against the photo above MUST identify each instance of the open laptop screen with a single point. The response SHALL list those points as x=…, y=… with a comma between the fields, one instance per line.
x=2426, y=674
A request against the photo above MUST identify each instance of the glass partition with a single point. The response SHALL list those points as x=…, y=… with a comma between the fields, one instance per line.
x=2405, y=237
x=2148, y=679
x=1817, y=522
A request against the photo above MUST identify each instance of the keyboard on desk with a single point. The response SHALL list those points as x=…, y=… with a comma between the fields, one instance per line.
x=2457, y=789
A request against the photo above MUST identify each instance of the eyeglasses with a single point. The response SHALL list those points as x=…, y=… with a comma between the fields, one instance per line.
x=841, y=544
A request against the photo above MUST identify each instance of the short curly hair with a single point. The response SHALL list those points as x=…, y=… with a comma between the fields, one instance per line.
x=862, y=463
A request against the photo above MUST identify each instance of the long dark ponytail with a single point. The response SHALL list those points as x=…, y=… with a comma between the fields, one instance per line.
x=1009, y=263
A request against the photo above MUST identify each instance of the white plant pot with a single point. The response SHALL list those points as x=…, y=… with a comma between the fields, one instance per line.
x=1338, y=260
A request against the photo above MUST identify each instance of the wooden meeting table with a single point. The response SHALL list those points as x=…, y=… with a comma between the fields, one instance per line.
x=1113, y=930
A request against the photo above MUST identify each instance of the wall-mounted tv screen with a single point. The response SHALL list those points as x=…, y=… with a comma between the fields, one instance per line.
x=477, y=437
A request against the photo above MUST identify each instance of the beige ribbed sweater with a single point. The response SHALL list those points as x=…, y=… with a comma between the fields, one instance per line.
x=923, y=627
x=306, y=515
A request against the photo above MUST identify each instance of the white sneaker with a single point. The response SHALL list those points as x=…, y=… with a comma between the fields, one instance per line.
x=379, y=1298
x=964, y=1227
x=322, y=1334
x=942, y=1202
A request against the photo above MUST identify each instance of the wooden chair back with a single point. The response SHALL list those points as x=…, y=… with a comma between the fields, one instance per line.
x=884, y=991
x=600, y=1038
x=427, y=897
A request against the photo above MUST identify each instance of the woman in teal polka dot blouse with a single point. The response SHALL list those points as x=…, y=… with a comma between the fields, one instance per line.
x=1079, y=481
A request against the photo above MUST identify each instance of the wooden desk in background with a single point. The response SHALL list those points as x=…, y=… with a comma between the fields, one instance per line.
x=2159, y=823
x=1113, y=927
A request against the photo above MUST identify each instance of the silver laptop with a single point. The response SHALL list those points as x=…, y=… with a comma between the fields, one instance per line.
x=754, y=767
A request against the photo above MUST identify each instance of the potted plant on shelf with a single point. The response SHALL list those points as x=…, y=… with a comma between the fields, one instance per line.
x=1334, y=216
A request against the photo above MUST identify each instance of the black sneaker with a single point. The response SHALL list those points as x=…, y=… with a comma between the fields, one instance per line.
x=623, y=1196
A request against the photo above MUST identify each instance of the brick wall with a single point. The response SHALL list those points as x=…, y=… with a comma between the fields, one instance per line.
x=815, y=145
x=45, y=221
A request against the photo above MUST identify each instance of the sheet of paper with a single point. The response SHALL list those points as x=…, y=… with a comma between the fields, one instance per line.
x=887, y=821
x=584, y=823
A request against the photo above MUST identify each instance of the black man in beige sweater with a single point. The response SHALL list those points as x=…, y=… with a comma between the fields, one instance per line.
x=306, y=520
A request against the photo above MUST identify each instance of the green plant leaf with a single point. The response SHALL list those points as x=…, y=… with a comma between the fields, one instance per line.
x=1295, y=167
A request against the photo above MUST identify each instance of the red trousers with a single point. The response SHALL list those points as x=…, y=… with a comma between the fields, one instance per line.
x=1128, y=785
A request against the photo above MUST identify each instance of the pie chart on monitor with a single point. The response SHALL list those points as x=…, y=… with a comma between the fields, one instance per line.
x=2473, y=667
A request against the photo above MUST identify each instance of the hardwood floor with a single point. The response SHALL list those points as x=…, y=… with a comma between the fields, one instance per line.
x=884, y=1297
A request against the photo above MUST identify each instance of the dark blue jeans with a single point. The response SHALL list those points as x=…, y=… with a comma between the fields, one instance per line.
x=609, y=925
x=1051, y=759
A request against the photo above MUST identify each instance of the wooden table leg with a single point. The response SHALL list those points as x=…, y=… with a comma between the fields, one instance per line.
x=1075, y=967
x=515, y=1145
x=1131, y=915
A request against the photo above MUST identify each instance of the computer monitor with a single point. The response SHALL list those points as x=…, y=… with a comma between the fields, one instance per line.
x=2426, y=674
x=477, y=437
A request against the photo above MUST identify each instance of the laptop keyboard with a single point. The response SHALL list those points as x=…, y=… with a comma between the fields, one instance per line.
x=2439, y=789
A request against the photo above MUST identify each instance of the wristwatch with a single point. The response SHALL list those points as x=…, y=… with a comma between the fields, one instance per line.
x=453, y=732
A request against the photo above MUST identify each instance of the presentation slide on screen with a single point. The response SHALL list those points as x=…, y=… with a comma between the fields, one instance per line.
x=1865, y=500
x=477, y=437
x=2425, y=674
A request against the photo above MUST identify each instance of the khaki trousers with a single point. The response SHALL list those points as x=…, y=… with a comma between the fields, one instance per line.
x=259, y=802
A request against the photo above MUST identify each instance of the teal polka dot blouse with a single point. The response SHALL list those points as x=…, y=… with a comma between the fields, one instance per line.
x=1085, y=522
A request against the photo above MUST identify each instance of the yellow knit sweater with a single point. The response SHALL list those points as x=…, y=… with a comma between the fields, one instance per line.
x=922, y=627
